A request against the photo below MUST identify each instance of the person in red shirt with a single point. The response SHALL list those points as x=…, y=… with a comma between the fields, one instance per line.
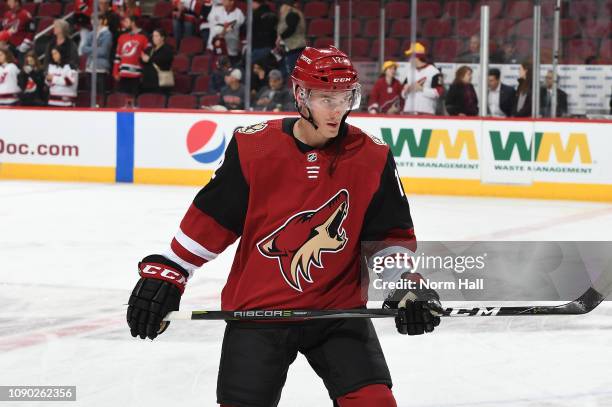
x=385, y=96
x=16, y=28
x=301, y=193
x=127, y=69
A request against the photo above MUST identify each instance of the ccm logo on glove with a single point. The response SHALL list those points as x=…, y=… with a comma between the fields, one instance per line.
x=160, y=272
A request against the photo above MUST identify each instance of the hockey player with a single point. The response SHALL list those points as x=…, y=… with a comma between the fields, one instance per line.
x=301, y=193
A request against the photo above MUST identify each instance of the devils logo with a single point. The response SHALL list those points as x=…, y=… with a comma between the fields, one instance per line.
x=301, y=240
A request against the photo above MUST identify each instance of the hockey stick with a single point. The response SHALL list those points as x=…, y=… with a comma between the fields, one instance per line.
x=581, y=305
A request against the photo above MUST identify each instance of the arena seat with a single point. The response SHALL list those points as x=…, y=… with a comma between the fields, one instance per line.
x=209, y=100
x=397, y=9
x=200, y=64
x=117, y=100
x=201, y=85
x=182, y=102
x=180, y=63
x=323, y=42
x=436, y=28
x=372, y=27
x=162, y=9
x=458, y=9
x=360, y=47
x=446, y=49
x=400, y=28
x=321, y=27
x=467, y=28
x=151, y=101
x=392, y=47
x=191, y=45
x=51, y=9
x=519, y=9
x=182, y=83
x=316, y=9
x=355, y=25
x=495, y=8
x=428, y=9
x=366, y=8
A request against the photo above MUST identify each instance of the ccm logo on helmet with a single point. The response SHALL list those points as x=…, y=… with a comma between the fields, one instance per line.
x=305, y=58
x=342, y=80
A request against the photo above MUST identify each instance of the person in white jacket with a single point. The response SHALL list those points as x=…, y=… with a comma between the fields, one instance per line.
x=62, y=80
x=423, y=87
x=225, y=21
x=9, y=88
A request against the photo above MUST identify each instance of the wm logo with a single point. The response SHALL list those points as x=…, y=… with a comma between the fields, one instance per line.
x=543, y=146
x=431, y=142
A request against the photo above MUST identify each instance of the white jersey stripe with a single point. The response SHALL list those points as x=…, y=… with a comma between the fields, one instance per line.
x=193, y=246
x=170, y=255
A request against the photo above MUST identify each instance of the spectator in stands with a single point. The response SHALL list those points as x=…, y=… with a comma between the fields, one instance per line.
x=104, y=40
x=205, y=10
x=385, y=96
x=501, y=97
x=275, y=97
x=258, y=78
x=31, y=80
x=159, y=57
x=127, y=69
x=291, y=34
x=522, y=98
x=264, y=30
x=127, y=8
x=232, y=95
x=223, y=67
x=184, y=18
x=114, y=21
x=16, y=29
x=506, y=53
x=472, y=54
x=62, y=80
x=62, y=41
x=546, y=98
x=9, y=72
x=421, y=96
x=225, y=21
x=461, y=98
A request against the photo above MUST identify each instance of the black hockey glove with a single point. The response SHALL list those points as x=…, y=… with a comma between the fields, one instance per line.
x=418, y=309
x=157, y=292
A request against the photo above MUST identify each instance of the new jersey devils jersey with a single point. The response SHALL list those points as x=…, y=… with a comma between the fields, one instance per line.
x=301, y=213
x=130, y=47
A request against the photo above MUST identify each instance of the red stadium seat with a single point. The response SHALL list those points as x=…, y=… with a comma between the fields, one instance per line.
x=201, y=85
x=151, y=101
x=501, y=28
x=372, y=27
x=579, y=49
x=44, y=23
x=171, y=41
x=180, y=63
x=355, y=26
x=162, y=9
x=166, y=25
x=117, y=100
x=519, y=9
x=569, y=28
x=209, y=100
x=392, y=47
x=436, y=28
x=191, y=45
x=182, y=102
x=524, y=28
x=400, y=28
x=68, y=7
x=321, y=28
x=366, y=8
x=83, y=99
x=397, y=9
x=200, y=64
x=31, y=8
x=182, y=83
x=428, y=9
x=360, y=47
x=458, y=9
x=583, y=8
x=314, y=9
x=446, y=49
x=605, y=52
x=467, y=28
x=53, y=9
x=599, y=28
x=323, y=42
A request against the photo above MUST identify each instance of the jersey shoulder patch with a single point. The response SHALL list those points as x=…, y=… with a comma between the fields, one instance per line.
x=252, y=129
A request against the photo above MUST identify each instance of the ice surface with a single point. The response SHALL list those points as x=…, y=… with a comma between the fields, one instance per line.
x=68, y=256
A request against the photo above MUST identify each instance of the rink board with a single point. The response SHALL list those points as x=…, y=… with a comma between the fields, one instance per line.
x=550, y=159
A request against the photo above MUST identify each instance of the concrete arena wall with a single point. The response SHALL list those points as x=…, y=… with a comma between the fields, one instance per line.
x=550, y=159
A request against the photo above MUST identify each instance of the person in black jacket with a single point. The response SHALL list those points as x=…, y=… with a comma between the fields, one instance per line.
x=522, y=100
x=31, y=80
x=62, y=41
x=461, y=98
x=546, y=98
x=264, y=30
x=158, y=57
x=501, y=97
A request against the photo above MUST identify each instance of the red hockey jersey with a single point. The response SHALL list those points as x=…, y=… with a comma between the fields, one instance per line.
x=301, y=213
x=16, y=29
x=130, y=47
x=383, y=96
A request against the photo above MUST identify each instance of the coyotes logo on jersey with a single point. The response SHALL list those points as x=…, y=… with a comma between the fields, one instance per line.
x=302, y=239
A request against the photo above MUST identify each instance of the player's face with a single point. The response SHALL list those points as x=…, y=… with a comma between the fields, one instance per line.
x=327, y=109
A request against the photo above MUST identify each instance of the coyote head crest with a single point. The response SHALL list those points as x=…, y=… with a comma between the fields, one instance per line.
x=301, y=240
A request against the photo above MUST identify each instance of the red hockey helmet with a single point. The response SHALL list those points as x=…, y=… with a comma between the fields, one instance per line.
x=326, y=69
